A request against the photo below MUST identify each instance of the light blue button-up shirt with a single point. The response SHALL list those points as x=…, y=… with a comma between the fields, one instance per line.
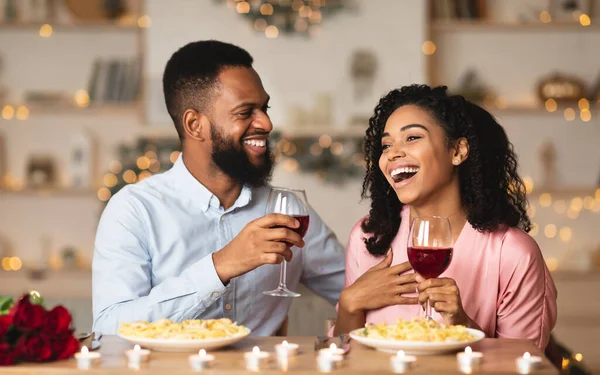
x=153, y=257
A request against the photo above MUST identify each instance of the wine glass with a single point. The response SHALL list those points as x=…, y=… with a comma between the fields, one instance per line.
x=430, y=248
x=293, y=203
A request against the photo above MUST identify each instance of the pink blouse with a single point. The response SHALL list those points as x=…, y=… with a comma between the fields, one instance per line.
x=503, y=280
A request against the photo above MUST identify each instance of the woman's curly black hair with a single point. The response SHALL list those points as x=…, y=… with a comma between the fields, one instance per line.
x=492, y=193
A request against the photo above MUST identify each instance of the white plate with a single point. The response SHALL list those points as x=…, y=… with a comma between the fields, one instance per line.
x=417, y=347
x=171, y=345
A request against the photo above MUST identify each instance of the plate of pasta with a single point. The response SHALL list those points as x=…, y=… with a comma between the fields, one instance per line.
x=188, y=336
x=416, y=337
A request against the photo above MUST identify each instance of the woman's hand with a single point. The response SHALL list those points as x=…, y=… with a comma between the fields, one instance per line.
x=444, y=297
x=380, y=286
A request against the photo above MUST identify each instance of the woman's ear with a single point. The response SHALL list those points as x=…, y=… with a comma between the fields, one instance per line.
x=461, y=151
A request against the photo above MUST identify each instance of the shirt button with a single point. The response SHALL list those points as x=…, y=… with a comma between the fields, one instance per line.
x=222, y=218
x=227, y=307
x=216, y=295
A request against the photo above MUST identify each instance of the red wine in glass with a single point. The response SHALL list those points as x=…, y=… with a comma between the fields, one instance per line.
x=429, y=263
x=430, y=248
x=293, y=203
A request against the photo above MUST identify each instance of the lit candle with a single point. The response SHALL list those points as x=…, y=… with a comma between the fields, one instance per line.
x=286, y=349
x=85, y=358
x=327, y=361
x=402, y=362
x=527, y=362
x=468, y=358
x=137, y=355
x=332, y=350
x=255, y=358
x=200, y=361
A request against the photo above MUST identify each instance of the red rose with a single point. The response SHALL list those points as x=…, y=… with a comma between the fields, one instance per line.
x=35, y=348
x=58, y=320
x=64, y=346
x=5, y=323
x=8, y=355
x=26, y=316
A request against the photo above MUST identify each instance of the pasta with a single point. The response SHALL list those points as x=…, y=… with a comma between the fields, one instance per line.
x=418, y=329
x=186, y=330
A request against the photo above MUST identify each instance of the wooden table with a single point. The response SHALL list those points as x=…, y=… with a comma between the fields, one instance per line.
x=499, y=358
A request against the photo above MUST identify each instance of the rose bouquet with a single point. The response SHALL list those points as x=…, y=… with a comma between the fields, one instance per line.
x=30, y=333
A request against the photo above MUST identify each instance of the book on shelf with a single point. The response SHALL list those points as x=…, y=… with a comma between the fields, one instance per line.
x=447, y=10
x=114, y=81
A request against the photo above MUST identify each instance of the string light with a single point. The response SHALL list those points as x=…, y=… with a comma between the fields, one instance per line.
x=429, y=48
x=82, y=98
x=545, y=17
x=304, y=11
x=266, y=9
x=22, y=113
x=8, y=112
x=243, y=7
x=528, y=181
x=46, y=31
x=174, y=156
x=560, y=206
x=585, y=115
x=144, y=21
x=260, y=24
x=552, y=264
x=143, y=175
x=143, y=162
x=572, y=214
x=551, y=105
x=110, y=180
x=104, y=194
x=570, y=114
x=565, y=234
x=585, y=20
x=15, y=263
x=325, y=141
x=6, y=264
x=290, y=164
x=315, y=149
x=129, y=176
x=545, y=200
x=576, y=204
x=550, y=231
x=154, y=166
x=115, y=166
x=337, y=148
x=578, y=357
x=272, y=32
x=583, y=104
x=315, y=16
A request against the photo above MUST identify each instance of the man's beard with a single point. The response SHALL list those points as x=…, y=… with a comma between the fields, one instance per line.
x=232, y=160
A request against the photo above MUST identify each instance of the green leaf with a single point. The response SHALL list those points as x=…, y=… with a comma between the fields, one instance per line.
x=5, y=304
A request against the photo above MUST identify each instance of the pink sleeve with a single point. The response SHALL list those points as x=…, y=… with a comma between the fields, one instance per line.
x=526, y=307
x=353, y=250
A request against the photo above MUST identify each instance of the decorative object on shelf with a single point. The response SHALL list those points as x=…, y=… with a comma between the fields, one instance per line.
x=41, y=172
x=472, y=88
x=97, y=10
x=595, y=91
x=114, y=81
x=286, y=16
x=548, y=161
x=319, y=115
x=363, y=68
x=30, y=333
x=570, y=10
x=561, y=87
x=458, y=9
x=332, y=159
x=144, y=158
x=10, y=11
x=81, y=161
x=48, y=98
x=69, y=257
x=36, y=10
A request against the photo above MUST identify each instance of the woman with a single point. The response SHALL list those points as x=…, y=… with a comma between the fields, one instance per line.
x=431, y=154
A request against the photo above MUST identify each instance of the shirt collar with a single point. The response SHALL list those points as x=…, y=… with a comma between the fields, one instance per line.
x=199, y=193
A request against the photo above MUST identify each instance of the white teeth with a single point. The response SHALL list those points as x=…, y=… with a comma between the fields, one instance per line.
x=255, y=142
x=397, y=171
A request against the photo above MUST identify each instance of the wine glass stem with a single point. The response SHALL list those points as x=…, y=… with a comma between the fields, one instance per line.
x=283, y=275
x=428, y=310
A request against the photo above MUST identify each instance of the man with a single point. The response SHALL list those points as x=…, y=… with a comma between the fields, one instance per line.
x=194, y=242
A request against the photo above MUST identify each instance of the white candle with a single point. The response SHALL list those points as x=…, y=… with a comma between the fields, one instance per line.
x=137, y=355
x=332, y=350
x=527, y=363
x=327, y=361
x=286, y=349
x=200, y=361
x=469, y=358
x=402, y=362
x=85, y=358
x=255, y=359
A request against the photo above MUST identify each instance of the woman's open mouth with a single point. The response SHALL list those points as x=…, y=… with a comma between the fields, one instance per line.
x=403, y=175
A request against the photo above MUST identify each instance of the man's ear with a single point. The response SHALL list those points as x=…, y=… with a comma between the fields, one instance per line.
x=194, y=124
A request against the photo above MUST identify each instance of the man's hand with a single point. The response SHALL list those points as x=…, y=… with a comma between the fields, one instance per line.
x=265, y=240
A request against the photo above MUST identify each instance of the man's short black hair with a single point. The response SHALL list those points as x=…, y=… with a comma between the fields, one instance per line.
x=190, y=77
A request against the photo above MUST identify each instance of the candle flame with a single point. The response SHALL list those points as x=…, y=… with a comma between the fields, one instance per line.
x=468, y=350
x=400, y=354
x=84, y=350
x=202, y=353
x=284, y=343
x=137, y=348
x=332, y=347
x=256, y=349
x=526, y=355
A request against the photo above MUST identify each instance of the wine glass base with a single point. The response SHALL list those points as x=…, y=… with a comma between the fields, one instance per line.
x=281, y=292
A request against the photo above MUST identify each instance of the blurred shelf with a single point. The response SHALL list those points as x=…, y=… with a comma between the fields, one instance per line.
x=317, y=131
x=71, y=26
x=580, y=191
x=43, y=193
x=461, y=26
x=534, y=110
x=94, y=109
